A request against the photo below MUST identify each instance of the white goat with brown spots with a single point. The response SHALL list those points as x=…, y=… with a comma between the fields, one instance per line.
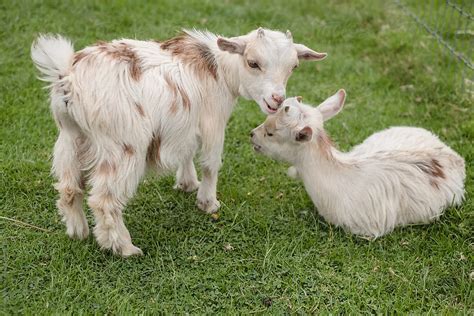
x=126, y=104
x=396, y=177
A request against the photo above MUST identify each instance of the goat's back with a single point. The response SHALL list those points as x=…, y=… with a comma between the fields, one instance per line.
x=425, y=174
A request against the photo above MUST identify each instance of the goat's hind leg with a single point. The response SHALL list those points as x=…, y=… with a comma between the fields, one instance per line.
x=67, y=169
x=114, y=181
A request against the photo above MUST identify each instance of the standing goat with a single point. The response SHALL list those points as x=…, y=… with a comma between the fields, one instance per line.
x=396, y=177
x=126, y=104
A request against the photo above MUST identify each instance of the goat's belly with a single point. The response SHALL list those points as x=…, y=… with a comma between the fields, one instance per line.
x=177, y=148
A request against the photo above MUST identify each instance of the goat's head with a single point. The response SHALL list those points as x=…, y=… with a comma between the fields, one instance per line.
x=268, y=58
x=294, y=125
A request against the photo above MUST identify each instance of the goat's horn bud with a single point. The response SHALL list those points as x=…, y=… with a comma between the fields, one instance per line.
x=299, y=98
x=260, y=32
x=289, y=35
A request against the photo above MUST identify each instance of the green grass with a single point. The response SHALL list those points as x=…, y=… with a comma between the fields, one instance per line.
x=283, y=252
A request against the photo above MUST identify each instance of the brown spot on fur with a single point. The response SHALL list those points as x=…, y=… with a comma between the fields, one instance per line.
x=176, y=89
x=433, y=169
x=69, y=195
x=106, y=168
x=80, y=141
x=437, y=169
x=128, y=149
x=194, y=53
x=82, y=183
x=123, y=53
x=153, y=153
x=174, y=106
x=140, y=109
x=170, y=84
x=135, y=72
x=434, y=183
x=185, y=98
x=78, y=57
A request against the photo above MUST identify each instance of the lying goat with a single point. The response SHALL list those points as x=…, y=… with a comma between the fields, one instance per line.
x=396, y=177
x=126, y=104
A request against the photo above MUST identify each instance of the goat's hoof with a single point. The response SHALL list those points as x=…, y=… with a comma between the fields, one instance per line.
x=78, y=233
x=130, y=250
x=208, y=205
x=77, y=230
x=116, y=240
x=187, y=186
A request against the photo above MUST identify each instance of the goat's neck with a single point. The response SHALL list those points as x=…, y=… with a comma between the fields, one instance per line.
x=324, y=168
x=228, y=65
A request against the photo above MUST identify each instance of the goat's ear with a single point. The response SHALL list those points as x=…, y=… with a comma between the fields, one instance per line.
x=332, y=105
x=233, y=45
x=305, y=53
x=305, y=134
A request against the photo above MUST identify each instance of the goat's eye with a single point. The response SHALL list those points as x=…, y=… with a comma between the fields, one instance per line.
x=269, y=134
x=253, y=64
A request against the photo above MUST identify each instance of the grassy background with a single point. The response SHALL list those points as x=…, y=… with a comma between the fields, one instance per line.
x=285, y=258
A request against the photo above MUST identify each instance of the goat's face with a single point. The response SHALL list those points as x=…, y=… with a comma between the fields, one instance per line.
x=279, y=136
x=283, y=134
x=267, y=59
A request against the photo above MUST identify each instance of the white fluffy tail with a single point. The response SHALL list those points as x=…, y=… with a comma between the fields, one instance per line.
x=52, y=55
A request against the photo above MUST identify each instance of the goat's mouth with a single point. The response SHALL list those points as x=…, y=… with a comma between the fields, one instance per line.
x=269, y=108
x=256, y=147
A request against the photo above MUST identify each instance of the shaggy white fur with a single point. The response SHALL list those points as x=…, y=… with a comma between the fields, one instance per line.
x=396, y=177
x=126, y=104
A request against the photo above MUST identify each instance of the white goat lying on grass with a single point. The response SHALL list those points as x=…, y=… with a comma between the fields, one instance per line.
x=126, y=104
x=396, y=177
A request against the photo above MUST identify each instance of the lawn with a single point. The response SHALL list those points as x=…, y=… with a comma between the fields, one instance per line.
x=269, y=252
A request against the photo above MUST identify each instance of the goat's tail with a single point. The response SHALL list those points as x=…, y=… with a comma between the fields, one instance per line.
x=52, y=55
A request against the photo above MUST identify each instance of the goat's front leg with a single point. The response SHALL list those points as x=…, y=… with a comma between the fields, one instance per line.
x=212, y=145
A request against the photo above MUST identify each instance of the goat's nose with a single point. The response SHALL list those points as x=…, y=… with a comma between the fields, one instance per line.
x=278, y=98
x=252, y=133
